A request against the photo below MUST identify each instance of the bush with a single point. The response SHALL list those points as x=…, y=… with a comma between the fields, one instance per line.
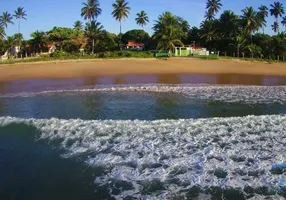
x=59, y=54
x=209, y=57
x=126, y=54
x=107, y=54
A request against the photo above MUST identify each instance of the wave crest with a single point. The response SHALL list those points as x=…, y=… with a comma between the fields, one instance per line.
x=174, y=155
x=247, y=94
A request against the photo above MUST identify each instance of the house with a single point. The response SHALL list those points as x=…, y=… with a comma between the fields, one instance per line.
x=47, y=49
x=132, y=45
x=12, y=51
x=184, y=51
x=4, y=56
x=51, y=48
x=188, y=50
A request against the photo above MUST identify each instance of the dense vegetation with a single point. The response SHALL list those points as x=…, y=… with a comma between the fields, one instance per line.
x=230, y=34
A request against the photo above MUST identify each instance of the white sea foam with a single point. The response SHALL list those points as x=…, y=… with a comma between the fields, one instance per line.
x=175, y=154
x=246, y=94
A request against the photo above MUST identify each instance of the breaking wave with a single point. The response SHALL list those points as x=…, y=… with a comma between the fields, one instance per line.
x=246, y=94
x=169, y=159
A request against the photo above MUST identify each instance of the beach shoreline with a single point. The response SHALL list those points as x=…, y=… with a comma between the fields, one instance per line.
x=106, y=67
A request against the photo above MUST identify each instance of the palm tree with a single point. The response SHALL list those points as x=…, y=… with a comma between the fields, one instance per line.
x=249, y=17
x=253, y=49
x=209, y=16
x=277, y=10
x=168, y=42
x=209, y=31
x=18, y=35
x=213, y=7
x=8, y=44
x=168, y=32
x=283, y=22
x=239, y=43
x=93, y=31
x=229, y=24
x=184, y=24
x=6, y=19
x=120, y=11
x=2, y=32
x=262, y=14
x=90, y=10
x=20, y=13
x=275, y=27
x=38, y=40
x=78, y=25
x=142, y=18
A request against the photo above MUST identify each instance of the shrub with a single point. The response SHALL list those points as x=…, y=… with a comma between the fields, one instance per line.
x=126, y=54
x=59, y=54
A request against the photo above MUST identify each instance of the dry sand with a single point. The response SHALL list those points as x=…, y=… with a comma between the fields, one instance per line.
x=85, y=68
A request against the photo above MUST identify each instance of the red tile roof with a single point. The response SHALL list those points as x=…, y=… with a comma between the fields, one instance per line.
x=134, y=44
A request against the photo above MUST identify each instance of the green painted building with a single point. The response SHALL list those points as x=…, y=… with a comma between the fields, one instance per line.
x=183, y=51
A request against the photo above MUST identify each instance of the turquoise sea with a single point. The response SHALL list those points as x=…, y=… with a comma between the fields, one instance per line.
x=143, y=137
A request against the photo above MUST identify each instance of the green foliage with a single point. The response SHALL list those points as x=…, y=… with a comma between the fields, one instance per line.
x=6, y=19
x=59, y=35
x=2, y=33
x=93, y=31
x=107, y=54
x=90, y=10
x=78, y=26
x=250, y=19
x=213, y=6
x=107, y=42
x=126, y=54
x=59, y=54
x=20, y=13
x=168, y=32
x=194, y=36
x=142, y=18
x=210, y=57
x=275, y=27
x=121, y=10
x=277, y=9
x=262, y=14
x=70, y=46
x=283, y=22
x=209, y=32
x=38, y=41
x=13, y=61
x=136, y=35
x=253, y=50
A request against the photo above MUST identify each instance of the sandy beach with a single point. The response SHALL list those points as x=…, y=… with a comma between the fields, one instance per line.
x=85, y=68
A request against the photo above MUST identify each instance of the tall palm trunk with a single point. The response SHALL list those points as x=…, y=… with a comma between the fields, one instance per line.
x=19, y=42
x=170, y=52
x=277, y=24
x=92, y=46
x=92, y=50
x=120, y=36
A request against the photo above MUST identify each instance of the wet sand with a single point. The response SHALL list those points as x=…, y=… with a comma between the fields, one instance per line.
x=37, y=85
x=95, y=68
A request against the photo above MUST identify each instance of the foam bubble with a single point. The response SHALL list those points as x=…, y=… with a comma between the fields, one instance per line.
x=168, y=157
x=246, y=94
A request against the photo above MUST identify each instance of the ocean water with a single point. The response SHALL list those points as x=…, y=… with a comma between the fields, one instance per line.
x=156, y=141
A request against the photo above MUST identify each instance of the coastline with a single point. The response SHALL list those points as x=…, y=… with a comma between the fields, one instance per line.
x=124, y=66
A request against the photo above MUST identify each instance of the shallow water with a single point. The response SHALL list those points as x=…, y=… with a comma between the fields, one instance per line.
x=144, y=142
x=36, y=85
